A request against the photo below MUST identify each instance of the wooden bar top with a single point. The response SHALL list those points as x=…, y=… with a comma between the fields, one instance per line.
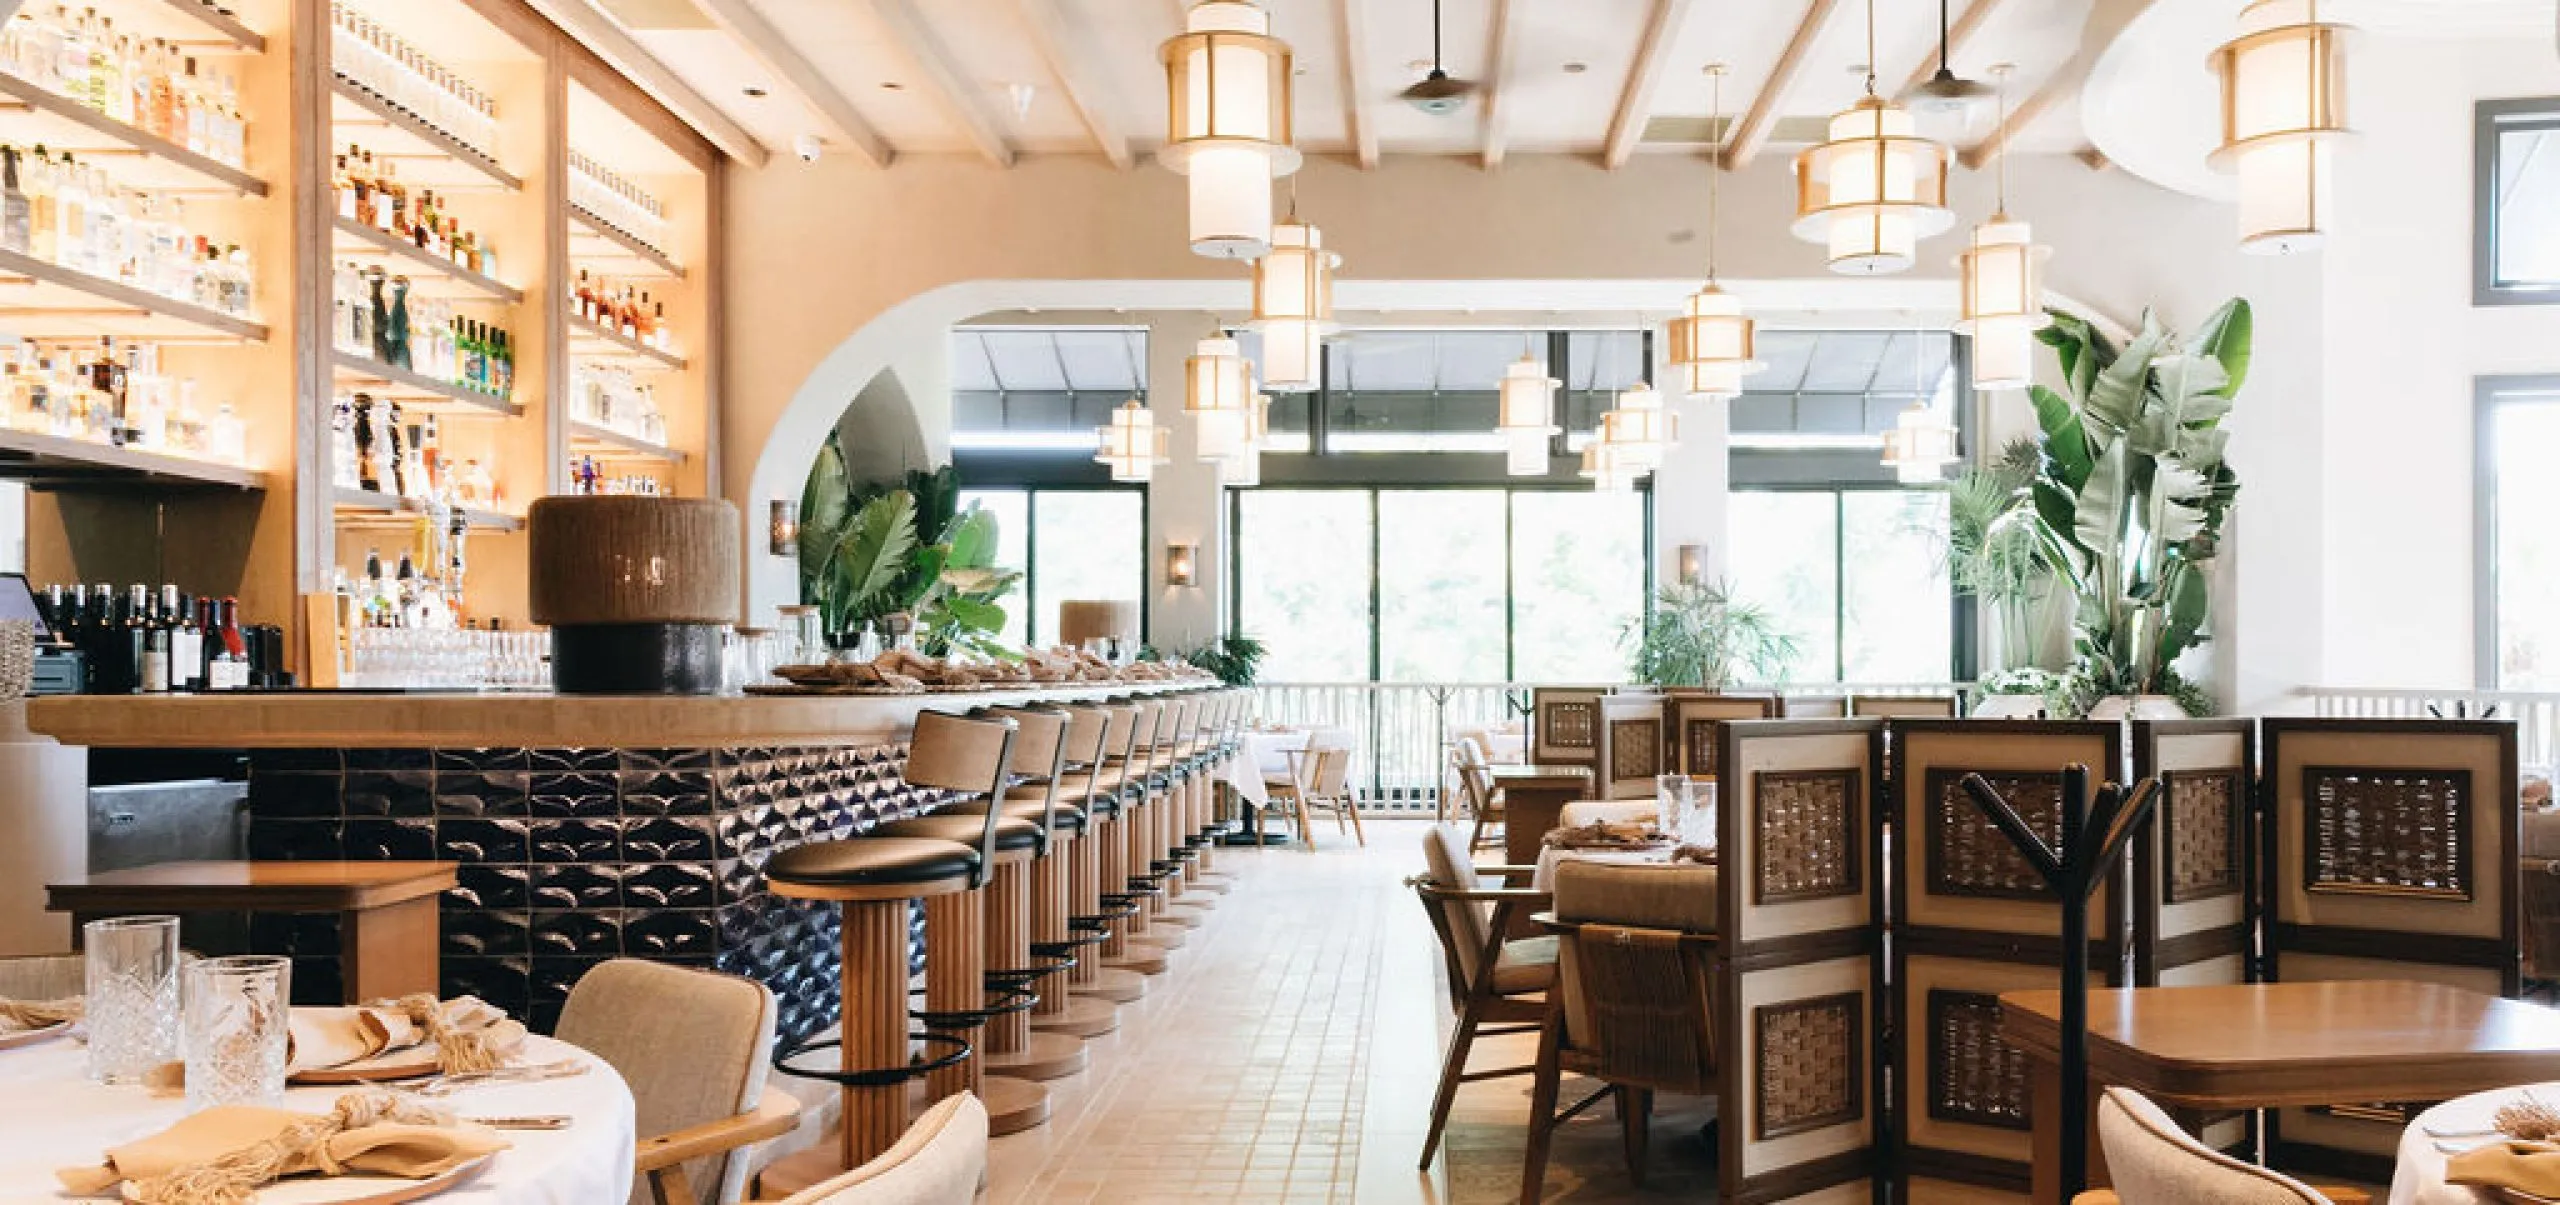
x=2258, y=1045
x=366, y=720
x=269, y=886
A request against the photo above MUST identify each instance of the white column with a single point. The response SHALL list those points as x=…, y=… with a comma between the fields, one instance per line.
x=1185, y=504
x=1691, y=488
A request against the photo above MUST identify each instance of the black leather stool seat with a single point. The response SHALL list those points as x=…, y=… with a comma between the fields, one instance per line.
x=950, y=825
x=872, y=861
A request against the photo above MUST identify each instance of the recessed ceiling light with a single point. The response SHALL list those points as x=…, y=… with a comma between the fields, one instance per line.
x=1576, y=68
x=753, y=91
x=893, y=85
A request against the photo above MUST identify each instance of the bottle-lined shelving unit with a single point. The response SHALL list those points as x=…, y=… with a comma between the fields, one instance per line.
x=341, y=202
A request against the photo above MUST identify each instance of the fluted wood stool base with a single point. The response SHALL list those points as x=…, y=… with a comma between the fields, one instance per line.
x=1084, y=1016
x=1118, y=985
x=1046, y=1055
x=1014, y=1105
x=1144, y=957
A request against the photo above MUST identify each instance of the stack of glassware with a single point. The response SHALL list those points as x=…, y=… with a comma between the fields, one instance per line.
x=609, y=198
x=612, y=397
x=453, y=658
x=368, y=55
x=147, y=83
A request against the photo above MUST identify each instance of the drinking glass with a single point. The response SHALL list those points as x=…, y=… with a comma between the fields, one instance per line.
x=236, y=1010
x=132, y=996
x=1671, y=801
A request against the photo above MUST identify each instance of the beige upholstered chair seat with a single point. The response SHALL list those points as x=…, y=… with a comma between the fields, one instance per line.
x=938, y=1161
x=872, y=862
x=1526, y=965
x=2154, y=1162
x=1678, y=898
x=960, y=828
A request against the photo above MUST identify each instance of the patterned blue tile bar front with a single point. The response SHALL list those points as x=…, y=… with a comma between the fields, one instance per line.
x=572, y=856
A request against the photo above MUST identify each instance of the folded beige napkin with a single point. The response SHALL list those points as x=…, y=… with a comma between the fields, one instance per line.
x=222, y=1155
x=36, y=1014
x=2531, y=1167
x=470, y=1035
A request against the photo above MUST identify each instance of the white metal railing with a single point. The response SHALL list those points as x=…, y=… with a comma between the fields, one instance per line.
x=2536, y=713
x=1400, y=729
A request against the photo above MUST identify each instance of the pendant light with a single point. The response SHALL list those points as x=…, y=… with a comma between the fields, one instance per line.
x=1876, y=188
x=1604, y=468
x=1218, y=395
x=2284, y=108
x=1133, y=445
x=1293, y=303
x=1528, y=415
x=1921, y=445
x=1711, y=342
x=2003, y=274
x=1641, y=429
x=1227, y=96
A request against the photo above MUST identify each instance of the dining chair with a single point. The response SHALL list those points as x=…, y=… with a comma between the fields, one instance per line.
x=2154, y=1161
x=1633, y=1007
x=1296, y=792
x=43, y=977
x=940, y=1160
x=1475, y=775
x=692, y=1045
x=1329, y=790
x=1496, y=986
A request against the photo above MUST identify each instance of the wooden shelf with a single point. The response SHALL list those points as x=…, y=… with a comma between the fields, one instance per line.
x=48, y=301
x=406, y=138
x=356, y=506
x=359, y=240
x=441, y=396
x=139, y=158
x=201, y=28
x=597, y=341
x=605, y=443
x=55, y=462
x=592, y=238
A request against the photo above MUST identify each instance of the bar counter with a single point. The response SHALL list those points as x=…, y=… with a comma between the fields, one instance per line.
x=585, y=827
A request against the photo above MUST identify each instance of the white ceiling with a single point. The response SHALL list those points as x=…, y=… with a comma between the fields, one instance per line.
x=1568, y=73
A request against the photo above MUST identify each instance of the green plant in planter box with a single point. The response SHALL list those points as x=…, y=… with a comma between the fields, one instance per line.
x=1995, y=553
x=1235, y=658
x=2132, y=492
x=1697, y=635
x=870, y=550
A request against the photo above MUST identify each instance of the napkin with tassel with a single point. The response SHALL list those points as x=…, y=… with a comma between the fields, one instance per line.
x=2515, y=1164
x=223, y=1155
x=469, y=1034
x=17, y=1015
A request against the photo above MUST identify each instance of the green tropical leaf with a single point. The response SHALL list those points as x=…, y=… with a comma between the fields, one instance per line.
x=973, y=539
x=2182, y=613
x=825, y=505
x=2098, y=514
x=876, y=546
x=2066, y=443
x=2226, y=336
x=2116, y=397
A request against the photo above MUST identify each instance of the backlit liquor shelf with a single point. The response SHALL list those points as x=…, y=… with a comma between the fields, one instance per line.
x=31, y=114
x=57, y=462
x=356, y=240
x=357, y=507
x=444, y=397
x=598, y=340
x=605, y=443
x=44, y=300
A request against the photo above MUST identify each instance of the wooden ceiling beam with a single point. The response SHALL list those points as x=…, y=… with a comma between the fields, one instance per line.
x=1497, y=90
x=1751, y=133
x=795, y=72
x=1071, y=61
x=1635, y=102
x=962, y=99
x=592, y=29
x=1359, y=80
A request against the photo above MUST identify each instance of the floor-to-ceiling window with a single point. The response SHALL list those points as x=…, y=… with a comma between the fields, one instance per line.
x=2519, y=549
x=1070, y=544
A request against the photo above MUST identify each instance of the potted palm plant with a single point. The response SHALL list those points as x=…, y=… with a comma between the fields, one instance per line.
x=1699, y=635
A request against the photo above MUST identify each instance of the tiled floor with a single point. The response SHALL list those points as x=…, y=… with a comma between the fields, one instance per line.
x=1290, y=1055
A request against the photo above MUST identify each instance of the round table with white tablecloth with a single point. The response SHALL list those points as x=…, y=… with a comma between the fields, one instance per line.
x=2462, y=1122
x=1265, y=757
x=53, y=1117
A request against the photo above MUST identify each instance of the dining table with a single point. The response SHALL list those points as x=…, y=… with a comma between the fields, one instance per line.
x=53, y=1117
x=2433, y=1136
x=1266, y=758
x=2230, y=1047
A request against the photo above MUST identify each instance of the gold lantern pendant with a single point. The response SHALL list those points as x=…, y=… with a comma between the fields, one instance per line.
x=2003, y=299
x=1712, y=344
x=1875, y=188
x=1218, y=395
x=1528, y=416
x=1293, y=305
x=1227, y=109
x=1133, y=445
x=2284, y=109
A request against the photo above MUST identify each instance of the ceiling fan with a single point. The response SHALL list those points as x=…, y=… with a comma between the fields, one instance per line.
x=1947, y=95
x=1438, y=94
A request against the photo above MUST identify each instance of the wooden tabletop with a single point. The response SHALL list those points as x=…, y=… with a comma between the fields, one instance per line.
x=2268, y=1044
x=1535, y=777
x=251, y=886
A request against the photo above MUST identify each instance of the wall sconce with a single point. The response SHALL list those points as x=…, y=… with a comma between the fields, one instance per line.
x=1693, y=563
x=782, y=531
x=1181, y=564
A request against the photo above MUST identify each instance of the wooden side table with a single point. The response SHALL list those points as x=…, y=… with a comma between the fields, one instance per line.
x=388, y=929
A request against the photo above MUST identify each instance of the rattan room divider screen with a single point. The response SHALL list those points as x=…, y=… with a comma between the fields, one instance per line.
x=2390, y=853
x=1632, y=747
x=1971, y=919
x=1696, y=720
x=1800, y=961
x=1564, y=725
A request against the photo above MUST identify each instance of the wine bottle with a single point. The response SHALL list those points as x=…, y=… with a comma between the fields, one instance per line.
x=231, y=661
x=186, y=640
x=135, y=642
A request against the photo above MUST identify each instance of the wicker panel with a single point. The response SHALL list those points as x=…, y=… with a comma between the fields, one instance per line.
x=1808, y=1064
x=1967, y=855
x=2200, y=827
x=1808, y=835
x=1569, y=725
x=1701, y=737
x=1635, y=749
x=2387, y=832
x=1974, y=1077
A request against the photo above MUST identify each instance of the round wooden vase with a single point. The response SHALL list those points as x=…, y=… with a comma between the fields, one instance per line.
x=638, y=591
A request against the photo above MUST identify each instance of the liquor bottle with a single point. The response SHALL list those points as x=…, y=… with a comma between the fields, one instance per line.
x=135, y=641
x=230, y=662
x=397, y=457
x=17, y=221
x=186, y=640
x=156, y=661
x=208, y=621
x=368, y=470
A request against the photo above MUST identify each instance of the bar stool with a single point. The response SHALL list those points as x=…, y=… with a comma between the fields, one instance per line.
x=1225, y=738
x=1152, y=872
x=961, y=995
x=1125, y=882
x=1167, y=856
x=1066, y=888
x=1104, y=860
x=1180, y=834
x=876, y=878
x=1027, y=936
